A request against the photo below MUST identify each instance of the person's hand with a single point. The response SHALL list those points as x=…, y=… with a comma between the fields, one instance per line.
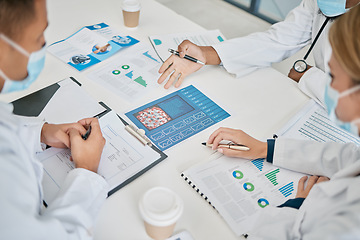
x=87, y=153
x=294, y=75
x=177, y=67
x=258, y=149
x=56, y=135
x=303, y=191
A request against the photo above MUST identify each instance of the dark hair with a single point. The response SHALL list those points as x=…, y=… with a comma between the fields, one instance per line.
x=15, y=15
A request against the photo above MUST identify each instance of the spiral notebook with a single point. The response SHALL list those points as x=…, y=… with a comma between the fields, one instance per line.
x=239, y=189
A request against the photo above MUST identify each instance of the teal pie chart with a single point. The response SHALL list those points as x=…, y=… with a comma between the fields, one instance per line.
x=249, y=187
x=263, y=202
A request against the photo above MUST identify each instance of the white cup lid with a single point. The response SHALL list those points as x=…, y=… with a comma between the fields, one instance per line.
x=131, y=5
x=161, y=207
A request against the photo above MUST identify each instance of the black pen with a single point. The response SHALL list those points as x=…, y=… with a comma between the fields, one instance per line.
x=87, y=134
x=186, y=56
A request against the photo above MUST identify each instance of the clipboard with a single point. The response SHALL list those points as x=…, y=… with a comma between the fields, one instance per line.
x=33, y=104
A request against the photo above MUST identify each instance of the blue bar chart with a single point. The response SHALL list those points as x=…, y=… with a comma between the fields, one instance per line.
x=287, y=189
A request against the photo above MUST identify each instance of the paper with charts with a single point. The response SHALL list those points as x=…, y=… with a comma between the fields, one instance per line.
x=90, y=45
x=130, y=75
x=177, y=116
x=239, y=189
x=162, y=43
x=313, y=123
x=123, y=157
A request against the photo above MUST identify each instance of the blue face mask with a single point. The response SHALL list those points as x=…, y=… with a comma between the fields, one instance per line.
x=332, y=8
x=331, y=98
x=35, y=65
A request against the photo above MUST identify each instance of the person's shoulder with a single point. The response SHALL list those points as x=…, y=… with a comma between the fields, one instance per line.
x=310, y=5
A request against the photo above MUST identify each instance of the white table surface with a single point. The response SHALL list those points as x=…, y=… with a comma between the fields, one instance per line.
x=259, y=103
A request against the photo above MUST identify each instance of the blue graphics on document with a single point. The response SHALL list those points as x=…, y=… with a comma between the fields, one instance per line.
x=101, y=51
x=177, y=116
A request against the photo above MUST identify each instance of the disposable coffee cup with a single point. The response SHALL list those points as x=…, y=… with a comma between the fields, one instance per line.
x=160, y=209
x=131, y=12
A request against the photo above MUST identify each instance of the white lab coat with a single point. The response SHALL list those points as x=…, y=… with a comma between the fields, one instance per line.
x=332, y=209
x=70, y=216
x=243, y=55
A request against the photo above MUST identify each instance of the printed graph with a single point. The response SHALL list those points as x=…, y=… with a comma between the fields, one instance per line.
x=259, y=163
x=287, y=189
x=272, y=176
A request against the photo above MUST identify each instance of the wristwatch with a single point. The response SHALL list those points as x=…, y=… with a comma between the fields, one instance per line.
x=300, y=66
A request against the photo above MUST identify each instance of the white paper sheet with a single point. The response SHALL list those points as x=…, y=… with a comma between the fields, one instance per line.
x=123, y=156
x=313, y=123
x=131, y=74
x=70, y=103
x=236, y=188
x=162, y=43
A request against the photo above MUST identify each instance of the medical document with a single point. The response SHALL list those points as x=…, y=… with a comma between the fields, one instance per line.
x=162, y=43
x=313, y=123
x=123, y=157
x=240, y=189
x=131, y=75
x=90, y=45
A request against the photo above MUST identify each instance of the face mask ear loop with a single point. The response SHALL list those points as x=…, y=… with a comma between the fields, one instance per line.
x=14, y=45
x=349, y=91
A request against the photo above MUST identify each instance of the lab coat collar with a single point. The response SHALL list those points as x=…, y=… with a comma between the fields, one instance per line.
x=6, y=110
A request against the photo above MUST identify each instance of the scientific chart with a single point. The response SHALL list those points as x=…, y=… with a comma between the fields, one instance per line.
x=239, y=189
x=177, y=116
x=131, y=74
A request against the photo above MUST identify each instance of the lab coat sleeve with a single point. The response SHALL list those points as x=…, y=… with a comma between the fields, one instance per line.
x=241, y=56
x=70, y=216
x=30, y=129
x=344, y=225
x=274, y=223
x=314, y=158
x=78, y=203
x=313, y=83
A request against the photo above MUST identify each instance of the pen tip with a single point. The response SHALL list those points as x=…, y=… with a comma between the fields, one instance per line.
x=204, y=143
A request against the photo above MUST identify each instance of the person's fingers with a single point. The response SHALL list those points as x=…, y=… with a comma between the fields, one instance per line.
x=172, y=78
x=74, y=136
x=183, y=48
x=214, y=134
x=322, y=179
x=233, y=153
x=311, y=182
x=88, y=121
x=63, y=138
x=302, y=183
x=77, y=126
x=166, y=64
x=180, y=80
x=166, y=73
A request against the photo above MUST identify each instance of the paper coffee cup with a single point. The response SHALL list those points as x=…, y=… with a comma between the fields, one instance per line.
x=131, y=12
x=160, y=208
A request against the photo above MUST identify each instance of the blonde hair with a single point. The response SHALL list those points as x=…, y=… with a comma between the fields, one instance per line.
x=344, y=37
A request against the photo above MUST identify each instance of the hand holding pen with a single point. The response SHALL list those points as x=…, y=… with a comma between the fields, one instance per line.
x=244, y=146
x=86, y=149
x=177, y=67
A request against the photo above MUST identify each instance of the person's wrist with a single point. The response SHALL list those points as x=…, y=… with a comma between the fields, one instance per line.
x=43, y=133
x=264, y=150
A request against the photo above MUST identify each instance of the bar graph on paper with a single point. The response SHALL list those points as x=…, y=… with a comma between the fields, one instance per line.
x=287, y=190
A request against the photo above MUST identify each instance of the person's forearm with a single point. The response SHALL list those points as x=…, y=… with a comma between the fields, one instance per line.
x=211, y=56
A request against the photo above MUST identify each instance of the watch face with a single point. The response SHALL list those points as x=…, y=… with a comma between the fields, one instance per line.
x=300, y=66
